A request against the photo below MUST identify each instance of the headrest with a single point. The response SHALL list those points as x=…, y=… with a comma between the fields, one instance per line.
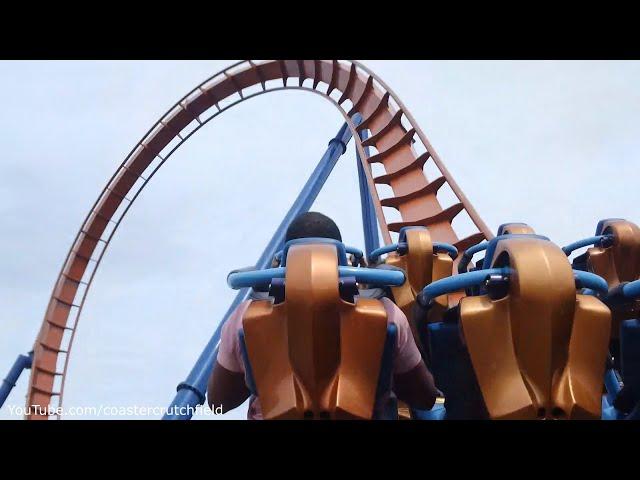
x=602, y=223
x=493, y=243
x=504, y=226
x=342, y=253
x=402, y=235
x=356, y=252
x=262, y=279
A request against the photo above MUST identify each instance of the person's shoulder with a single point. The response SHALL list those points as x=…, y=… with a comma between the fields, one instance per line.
x=394, y=314
x=238, y=313
x=389, y=304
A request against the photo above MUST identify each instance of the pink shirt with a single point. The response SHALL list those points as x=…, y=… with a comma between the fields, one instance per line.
x=406, y=354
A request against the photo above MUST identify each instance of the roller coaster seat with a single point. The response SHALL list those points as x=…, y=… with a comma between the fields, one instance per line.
x=452, y=370
x=514, y=228
x=617, y=262
x=423, y=264
x=630, y=363
x=493, y=244
x=537, y=350
x=505, y=231
x=319, y=351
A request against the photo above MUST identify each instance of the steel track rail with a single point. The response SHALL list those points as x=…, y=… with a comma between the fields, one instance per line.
x=415, y=197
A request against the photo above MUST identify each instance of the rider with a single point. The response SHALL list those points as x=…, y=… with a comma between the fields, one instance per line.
x=412, y=381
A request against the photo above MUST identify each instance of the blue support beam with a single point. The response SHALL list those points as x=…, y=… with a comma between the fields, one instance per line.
x=369, y=218
x=23, y=362
x=612, y=384
x=192, y=391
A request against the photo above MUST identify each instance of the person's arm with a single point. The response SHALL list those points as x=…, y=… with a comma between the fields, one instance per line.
x=226, y=389
x=416, y=387
x=412, y=380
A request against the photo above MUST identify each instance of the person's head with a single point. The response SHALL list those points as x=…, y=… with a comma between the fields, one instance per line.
x=313, y=224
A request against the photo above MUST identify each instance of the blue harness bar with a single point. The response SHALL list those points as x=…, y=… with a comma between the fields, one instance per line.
x=468, y=255
x=598, y=240
x=378, y=252
x=590, y=281
x=458, y=282
x=612, y=384
x=631, y=290
x=477, y=277
x=372, y=276
x=401, y=247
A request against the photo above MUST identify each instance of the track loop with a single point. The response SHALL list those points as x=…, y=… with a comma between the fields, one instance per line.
x=414, y=196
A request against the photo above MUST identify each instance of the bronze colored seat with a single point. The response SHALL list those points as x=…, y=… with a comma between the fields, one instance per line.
x=422, y=260
x=617, y=262
x=321, y=352
x=515, y=228
x=615, y=256
x=423, y=265
x=536, y=347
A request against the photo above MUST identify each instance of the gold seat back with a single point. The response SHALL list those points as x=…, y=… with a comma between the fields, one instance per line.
x=617, y=263
x=423, y=266
x=540, y=351
x=315, y=355
x=516, y=229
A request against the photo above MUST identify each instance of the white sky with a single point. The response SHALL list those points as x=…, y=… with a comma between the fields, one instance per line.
x=553, y=144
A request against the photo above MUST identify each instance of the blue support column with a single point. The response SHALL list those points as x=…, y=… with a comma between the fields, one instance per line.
x=192, y=391
x=23, y=362
x=369, y=218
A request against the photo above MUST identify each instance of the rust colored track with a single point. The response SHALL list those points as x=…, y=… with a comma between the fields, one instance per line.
x=349, y=85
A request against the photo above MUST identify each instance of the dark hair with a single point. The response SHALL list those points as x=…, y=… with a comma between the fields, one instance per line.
x=313, y=224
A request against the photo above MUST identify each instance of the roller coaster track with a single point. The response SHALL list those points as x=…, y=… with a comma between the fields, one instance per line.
x=395, y=141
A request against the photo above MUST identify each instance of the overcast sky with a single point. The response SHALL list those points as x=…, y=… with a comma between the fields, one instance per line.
x=552, y=144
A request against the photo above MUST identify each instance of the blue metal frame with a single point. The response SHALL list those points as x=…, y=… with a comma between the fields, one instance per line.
x=369, y=217
x=458, y=282
x=378, y=252
x=590, y=281
x=468, y=255
x=401, y=247
x=254, y=278
x=192, y=391
x=477, y=277
x=370, y=276
x=445, y=248
x=631, y=290
x=23, y=362
x=374, y=276
x=356, y=252
x=612, y=384
x=389, y=411
x=251, y=382
x=599, y=240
